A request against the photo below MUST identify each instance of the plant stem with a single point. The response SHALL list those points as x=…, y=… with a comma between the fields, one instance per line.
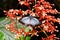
x=43, y=31
x=16, y=23
x=35, y=1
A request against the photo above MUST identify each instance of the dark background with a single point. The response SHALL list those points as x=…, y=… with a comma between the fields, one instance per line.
x=9, y=4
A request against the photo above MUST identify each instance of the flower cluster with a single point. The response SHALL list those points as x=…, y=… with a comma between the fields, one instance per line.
x=51, y=37
x=41, y=10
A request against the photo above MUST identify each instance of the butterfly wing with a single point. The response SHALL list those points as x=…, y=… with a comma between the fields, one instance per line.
x=25, y=20
x=30, y=20
x=34, y=21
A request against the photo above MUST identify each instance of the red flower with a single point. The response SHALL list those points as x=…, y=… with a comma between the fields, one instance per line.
x=51, y=37
x=25, y=3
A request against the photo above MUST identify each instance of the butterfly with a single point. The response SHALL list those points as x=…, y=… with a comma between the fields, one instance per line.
x=29, y=20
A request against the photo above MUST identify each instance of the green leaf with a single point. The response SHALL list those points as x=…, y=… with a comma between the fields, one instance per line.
x=22, y=38
x=1, y=36
x=28, y=37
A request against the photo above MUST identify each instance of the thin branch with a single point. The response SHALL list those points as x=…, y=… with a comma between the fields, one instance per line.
x=43, y=31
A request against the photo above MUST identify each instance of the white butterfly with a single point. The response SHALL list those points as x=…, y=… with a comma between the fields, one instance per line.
x=29, y=20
